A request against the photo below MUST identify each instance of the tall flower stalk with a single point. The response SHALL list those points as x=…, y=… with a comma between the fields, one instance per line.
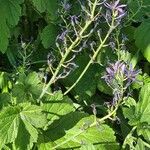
x=80, y=36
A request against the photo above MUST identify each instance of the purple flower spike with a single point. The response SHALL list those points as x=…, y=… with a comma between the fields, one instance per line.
x=119, y=76
x=120, y=71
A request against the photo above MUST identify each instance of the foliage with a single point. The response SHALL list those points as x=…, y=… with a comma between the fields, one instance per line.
x=74, y=74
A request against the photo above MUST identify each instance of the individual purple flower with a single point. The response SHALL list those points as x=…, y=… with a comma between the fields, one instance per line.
x=74, y=20
x=117, y=9
x=66, y=6
x=131, y=75
x=62, y=36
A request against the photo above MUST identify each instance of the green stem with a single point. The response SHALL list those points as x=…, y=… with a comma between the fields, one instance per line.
x=78, y=39
x=128, y=136
x=146, y=144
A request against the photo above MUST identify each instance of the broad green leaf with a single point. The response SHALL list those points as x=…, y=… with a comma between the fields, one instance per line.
x=143, y=105
x=10, y=11
x=25, y=116
x=56, y=105
x=129, y=110
x=48, y=36
x=72, y=131
x=33, y=114
x=142, y=38
x=27, y=88
x=9, y=122
x=23, y=141
x=140, y=112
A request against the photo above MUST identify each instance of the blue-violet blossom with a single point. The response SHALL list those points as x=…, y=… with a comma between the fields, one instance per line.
x=119, y=77
x=117, y=9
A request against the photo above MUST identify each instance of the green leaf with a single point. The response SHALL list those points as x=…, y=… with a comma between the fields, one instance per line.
x=5, y=99
x=23, y=141
x=140, y=145
x=72, y=131
x=88, y=147
x=10, y=11
x=129, y=111
x=33, y=114
x=27, y=88
x=139, y=113
x=85, y=87
x=144, y=130
x=142, y=38
x=143, y=105
x=56, y=106
x=26, y=116
x=138, y=9
x=50, y=6
x=9, y=123
x=48, y=36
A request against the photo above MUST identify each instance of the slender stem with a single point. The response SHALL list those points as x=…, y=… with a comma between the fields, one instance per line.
x=146, y=144
x=92, y=59
x=78, y=39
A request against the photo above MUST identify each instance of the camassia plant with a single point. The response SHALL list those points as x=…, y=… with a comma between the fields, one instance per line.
x=91, y=92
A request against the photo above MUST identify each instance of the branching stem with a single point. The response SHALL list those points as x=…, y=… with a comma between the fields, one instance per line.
x=77, y=40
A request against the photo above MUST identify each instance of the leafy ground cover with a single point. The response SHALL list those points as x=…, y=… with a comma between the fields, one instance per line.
x=74, y=74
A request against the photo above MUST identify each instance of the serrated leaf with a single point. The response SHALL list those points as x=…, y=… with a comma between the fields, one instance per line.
x=34, y=115
x=9, y=122
x=70, y=132
x=142, y=38
x=143, y=105
x=56, y=106
x=129, y=109
x=23, y=141
x=10, y=11
x=48, y=36
x=139, y=113
x=28, y=88
x=11, y=117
